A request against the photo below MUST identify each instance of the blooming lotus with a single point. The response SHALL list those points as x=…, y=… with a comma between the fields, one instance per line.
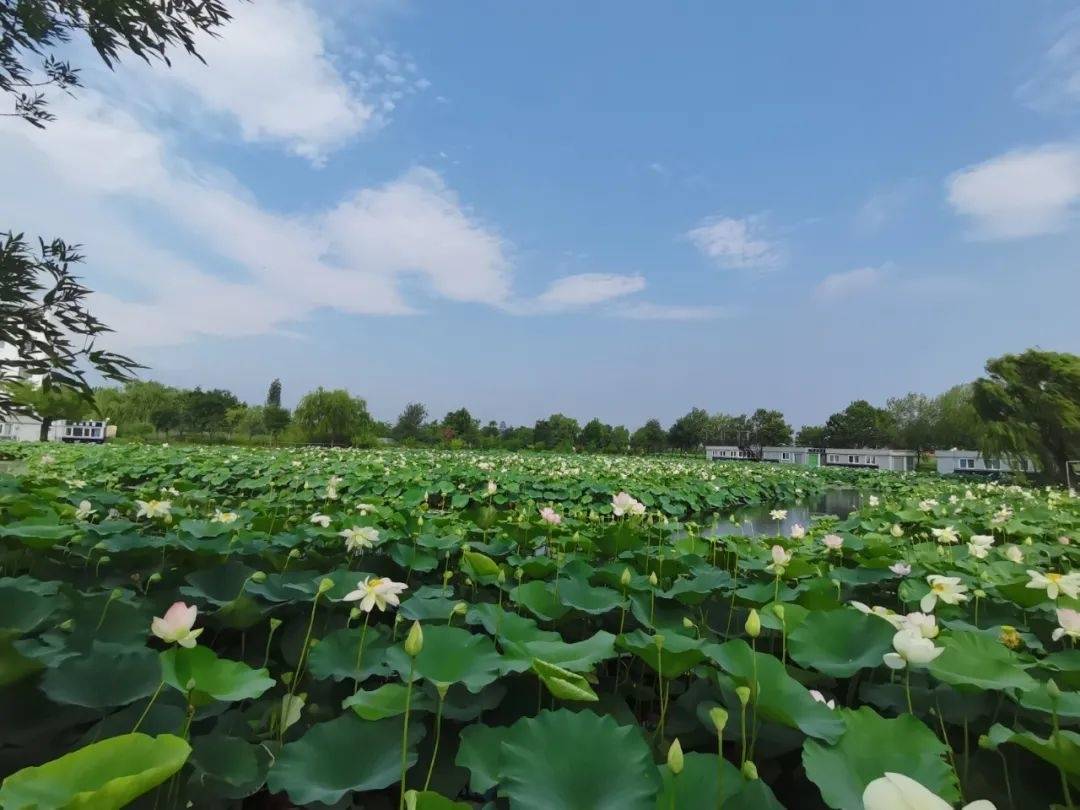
x=85, y=510
x=893, y=618
x=896, y=530
x=1002, y=515
x=491, y=488
x=894, y=791
x=948, y=589
x=947, y=535
x=1054, y=583
x=925, y=624
x=912, y=650
x=798, y=532
x=549, y=515
x=873, y=500
x=1063, y=540
x=223, y=517
x=359, y=538
x=378, y=592
x=320, y=520
x=901, y=569
x=624, y=504
x=1069, y=621
x=175, y=626
x=778, y=514
x=979, y=545
x=927, y=505
x=1014, y=554
x=154, y=509
x=833, y=542
x=780, y=560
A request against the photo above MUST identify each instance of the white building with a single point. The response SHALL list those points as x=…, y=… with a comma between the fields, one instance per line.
x=28, y=429
x=881, y=458
x=862, y=458
x=972, y=462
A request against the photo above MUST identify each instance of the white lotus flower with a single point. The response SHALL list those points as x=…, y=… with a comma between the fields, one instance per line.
x=893, y=618
x=378, y=592
x=175, y=626
x=1002, y=515
x=320, y=520
x=820, y=698
x=778, y=514
x=947, y=535
x=154, y=509
x=85, y=510
x=979, y=545
x=798, y=532
x=359, y=538
x=894, y=791
x=912, y=649
x=1069, y=621
x=897, y=530
x=948, y=589
x=223, y=517
x=925, y=624
x=1014, y=554
x=549, y=515
x=491, y=488
x=624, y=504
x=780, y=560
x=873, y=500
x=364, y=508
x=927, y=505
x=833, y=542
x=901, y=569
x=1054, y=583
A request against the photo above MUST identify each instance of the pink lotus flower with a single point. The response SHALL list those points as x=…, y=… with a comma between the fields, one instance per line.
x=833, y=542
x=549, y=515
x=625, y=504
x=175, y=626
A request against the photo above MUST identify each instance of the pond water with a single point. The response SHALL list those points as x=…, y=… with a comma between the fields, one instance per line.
x=754, y=521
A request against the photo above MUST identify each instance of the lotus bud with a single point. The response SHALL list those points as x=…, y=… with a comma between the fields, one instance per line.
x=686, y=623
x=414, y=642
x=65, y=625
x=447, y=576
x=675, y=757
x=519, y=574
x=274, y=624
x=743, y=693
x=189, y=685
x=753, y=624
x=294, y=553
x=442, y=688
x=624, y=580
x=460, y=608
x=258, y=576
x=652, y=579
x=979, y=593
x=154, y=577
x=502, y=576
x=325, y=584
x=1053, y=690
x=719, y=717
x=985, y=742
x=1027, y=541
x=286, y=678
x=658, y=640
x=778, y=609
x=749, y=771
x=355, y=614
x=420, y=521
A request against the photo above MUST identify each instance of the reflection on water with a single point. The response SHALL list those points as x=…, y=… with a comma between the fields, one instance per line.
x=754, y=520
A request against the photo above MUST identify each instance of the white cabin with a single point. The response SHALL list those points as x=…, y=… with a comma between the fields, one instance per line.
x=881, y=458
x=28, y=429
x=972, y=462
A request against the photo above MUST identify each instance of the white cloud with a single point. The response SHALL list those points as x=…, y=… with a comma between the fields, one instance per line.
x=838, y=286
x=884, y=206
x=589, y=288
x=1022, y=193
x=735, y=243
x=223, y=265
x=670, y=312
x=272, y=74
x=1055, y=85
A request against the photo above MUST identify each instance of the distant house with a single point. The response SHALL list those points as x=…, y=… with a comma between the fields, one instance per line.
x=972, y=462
x=28, y=429
x=879, y=458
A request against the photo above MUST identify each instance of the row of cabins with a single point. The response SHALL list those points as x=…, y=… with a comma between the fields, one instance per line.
x=28, y=429
x=948, y=461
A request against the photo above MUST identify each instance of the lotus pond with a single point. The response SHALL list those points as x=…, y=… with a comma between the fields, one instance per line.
x=225, y=628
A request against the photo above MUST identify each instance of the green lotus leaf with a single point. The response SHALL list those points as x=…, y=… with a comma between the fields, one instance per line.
x=427, y=608
x=227, y=767
x=872, y=746
x=38, y=533
x=1061, y=749
x=840, y=642
x=588, y=762
x=563, y=683
x=479, y=565
x=781, y=698
x=335, y=656
x=102, y=776
x=701, y=779
x=25, y=604
x=1066, y=704
x=431, y=801
x=213, y=677
x=539, y=599
x=342, y=755
x=678, y=655
x=219, y=584
x=579, y=656
x=451, y=655
x=977, y=660
x=480, y=752
x=507, y=625
x=587, y=598
x=386, y=701
x=108, y=675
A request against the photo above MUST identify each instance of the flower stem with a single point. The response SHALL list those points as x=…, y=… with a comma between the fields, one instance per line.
x=146, y=711
x=360, y=651
x=405, y=734
x=303, y=652
x=438, y=734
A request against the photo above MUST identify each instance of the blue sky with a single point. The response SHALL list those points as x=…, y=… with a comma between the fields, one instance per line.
x=600, y=209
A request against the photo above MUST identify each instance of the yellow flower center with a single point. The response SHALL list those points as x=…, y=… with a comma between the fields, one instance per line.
x=1055, y=578
x=375, y=582
x=938, y=587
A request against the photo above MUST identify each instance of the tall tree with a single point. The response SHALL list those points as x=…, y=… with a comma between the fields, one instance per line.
x=461, y=425
x=1030, y=403
x=860, y=424
x=410, y=424
x=332, y=417
x=768, y=428
x=690, y=431
x=273, y=394
x=557, y=432
x=811, y=436
x=649, y=438
x=48, y=404
x=595, y=436
x=915, y=419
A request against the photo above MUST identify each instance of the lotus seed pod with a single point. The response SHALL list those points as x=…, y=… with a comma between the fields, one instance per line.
x=460, y=608
x=749, y=770
x=743, y=693
x=753, y=624
x=675, y=757
x=414, y=642
x=258, y=576
x=626, y=577
x=447, y=576
x=719, y=717
x=294, y=553
x=325, y=585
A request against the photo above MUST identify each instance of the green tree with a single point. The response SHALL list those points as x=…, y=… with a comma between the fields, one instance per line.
x=649, y=438
x=1030, y=404
x=205, y=411
x=618, y=440
x=915, y=420
x=461, y=425
x=595, y=436
x=811, y=436
x=273, y=394
x=276, y=419
x=557, y=432
x=48, y=404
x=860, y=424
x=768, y=429
x=691, y=431
x=332, y=417
x=410, y=424
x=957, y=422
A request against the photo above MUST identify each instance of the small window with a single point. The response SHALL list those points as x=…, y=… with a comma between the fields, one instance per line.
x=873, y=459
x=992, y=464
x=785, y=456
x=966, y=464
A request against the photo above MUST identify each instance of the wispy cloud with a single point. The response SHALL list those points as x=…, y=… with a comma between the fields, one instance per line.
x=838, y=286
x=1023, y=193
x=736, y=243
x=884, y=206
x=645, y=311
x=1055, y=85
